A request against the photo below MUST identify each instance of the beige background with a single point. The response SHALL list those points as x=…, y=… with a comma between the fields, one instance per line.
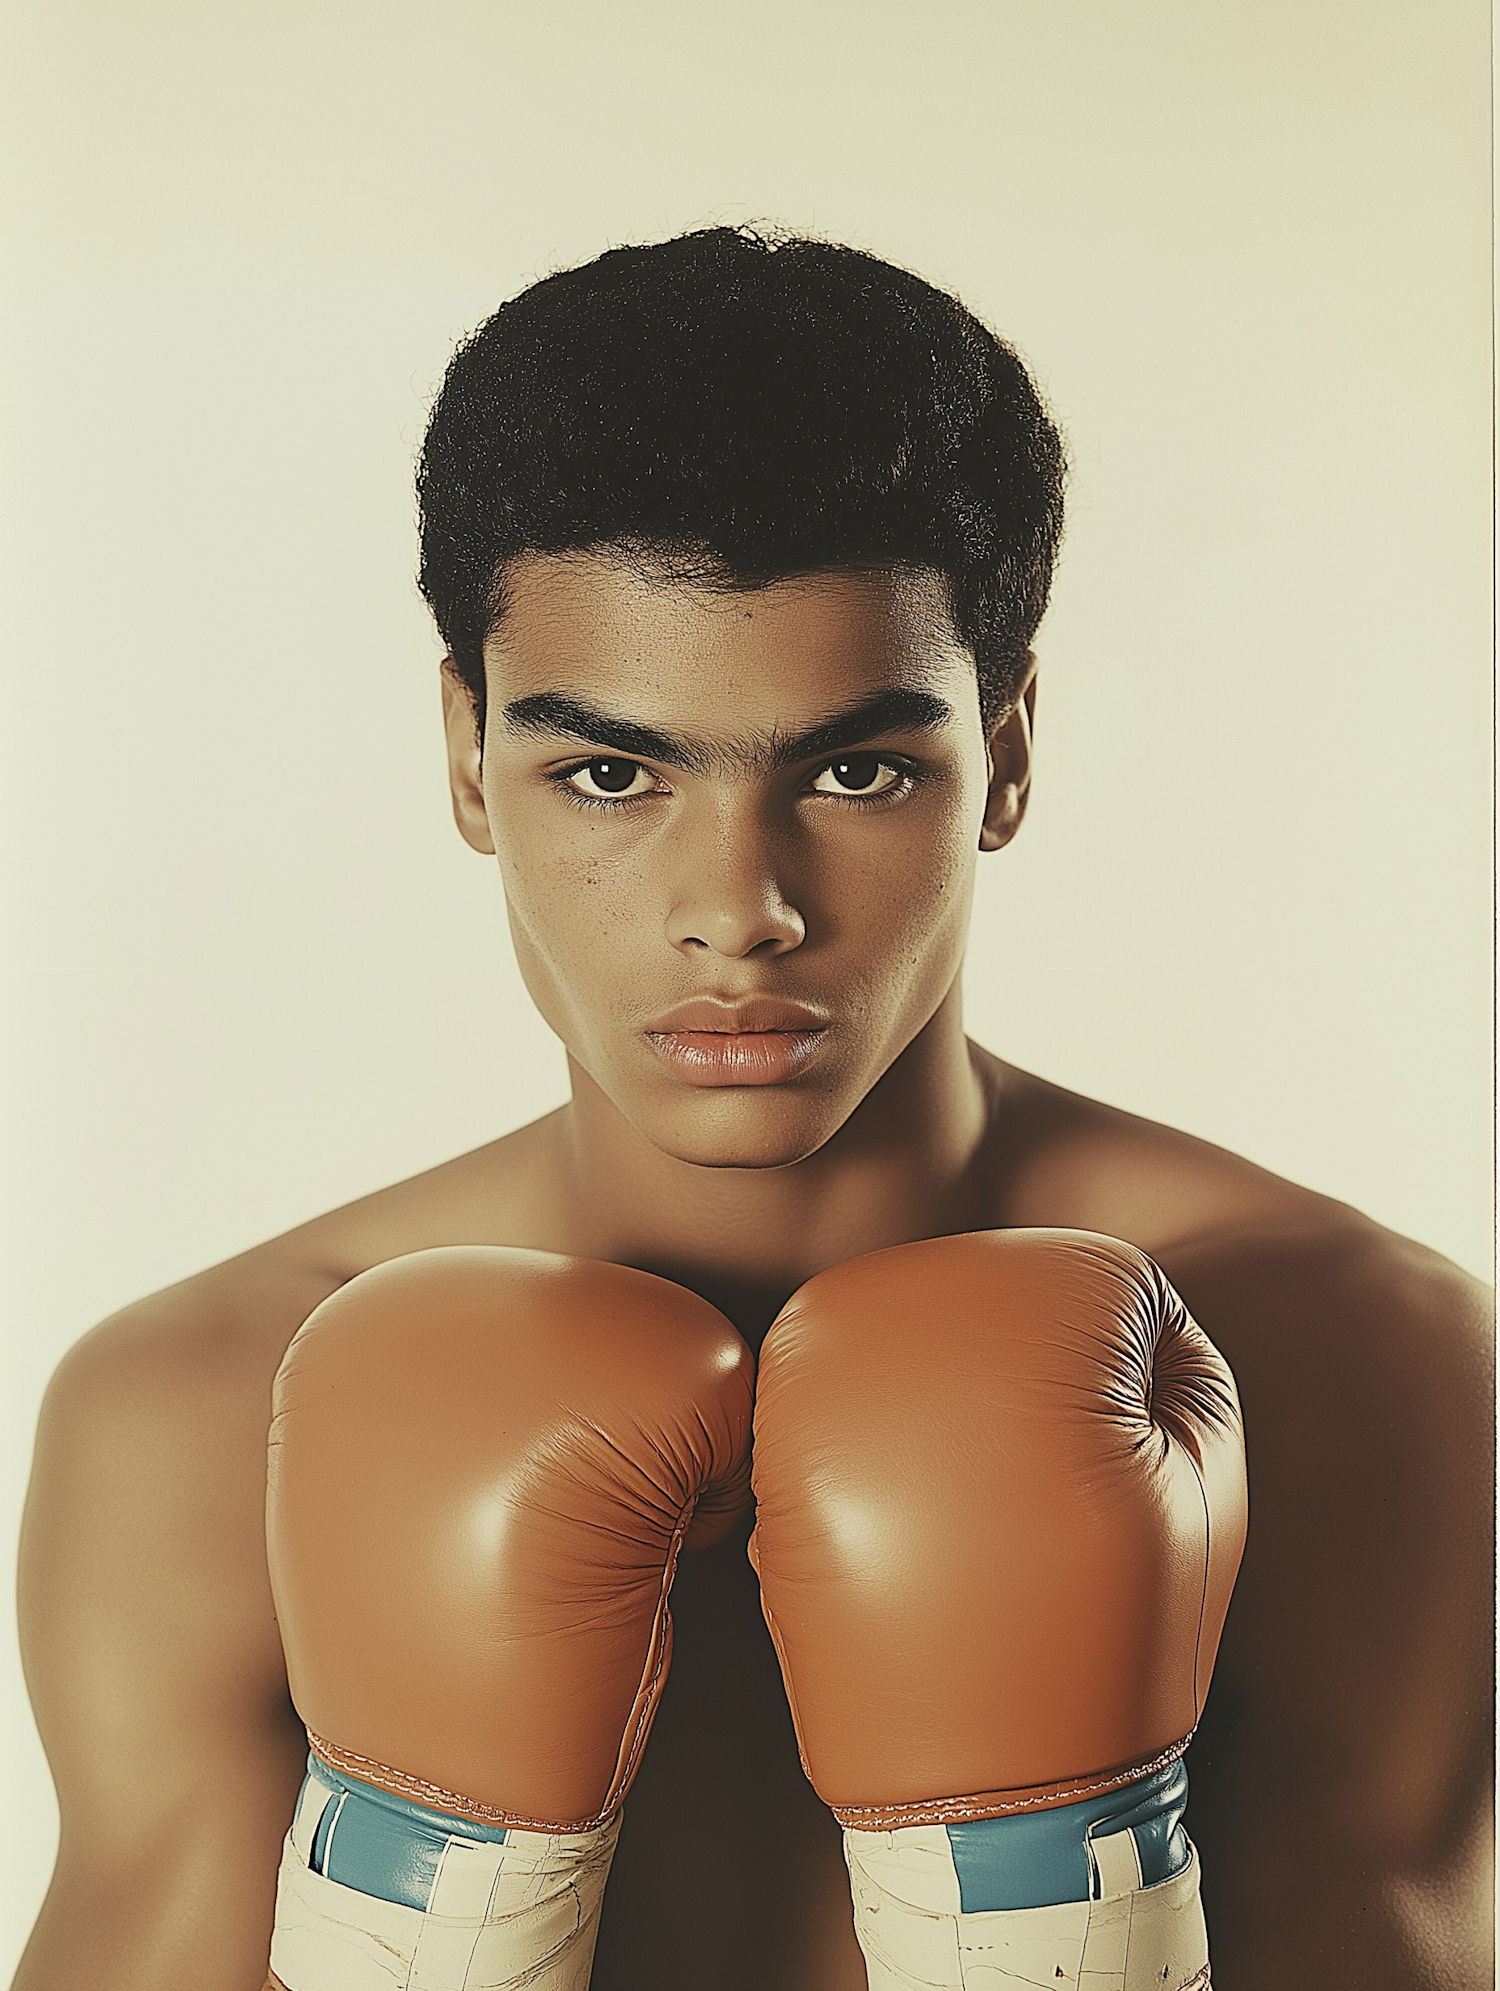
x=252, y=970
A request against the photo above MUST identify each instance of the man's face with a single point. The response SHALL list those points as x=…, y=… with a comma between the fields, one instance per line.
x=737, y=835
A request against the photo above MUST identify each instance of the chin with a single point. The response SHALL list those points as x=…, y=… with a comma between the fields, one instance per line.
x=741, y=1127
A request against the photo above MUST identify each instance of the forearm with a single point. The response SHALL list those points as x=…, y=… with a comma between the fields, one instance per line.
x=191, y=1917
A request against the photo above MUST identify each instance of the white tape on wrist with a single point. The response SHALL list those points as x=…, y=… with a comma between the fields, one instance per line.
x=916, y=1937
x=518, y=1909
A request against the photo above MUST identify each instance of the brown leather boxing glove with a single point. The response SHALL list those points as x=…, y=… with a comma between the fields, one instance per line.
x=1001, y=1505
x=483, y=1463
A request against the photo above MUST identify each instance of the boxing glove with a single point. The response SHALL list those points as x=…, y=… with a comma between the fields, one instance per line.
x=1000, y=1507
x=482, y=1465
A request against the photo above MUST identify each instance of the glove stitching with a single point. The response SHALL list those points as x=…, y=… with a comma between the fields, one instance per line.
x=399, y=1784
x=936, y=1811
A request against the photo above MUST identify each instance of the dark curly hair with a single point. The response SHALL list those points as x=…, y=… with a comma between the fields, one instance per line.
x=743, y=407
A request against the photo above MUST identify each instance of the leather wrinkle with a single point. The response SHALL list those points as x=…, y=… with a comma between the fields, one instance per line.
x=1082, y=1376
x=596, y=1404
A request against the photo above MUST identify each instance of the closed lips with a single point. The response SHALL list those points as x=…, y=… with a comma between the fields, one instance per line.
x=756, y=1043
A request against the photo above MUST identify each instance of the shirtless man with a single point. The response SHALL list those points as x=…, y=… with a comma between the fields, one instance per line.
x=753, y=691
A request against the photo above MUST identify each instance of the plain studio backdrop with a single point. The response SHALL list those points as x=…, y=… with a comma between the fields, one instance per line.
x=1244, y=243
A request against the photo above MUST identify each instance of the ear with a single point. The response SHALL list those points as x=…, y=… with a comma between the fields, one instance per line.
x=1010, y=767
x=465, y=750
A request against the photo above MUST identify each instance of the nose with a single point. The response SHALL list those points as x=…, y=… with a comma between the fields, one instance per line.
x=730, y=897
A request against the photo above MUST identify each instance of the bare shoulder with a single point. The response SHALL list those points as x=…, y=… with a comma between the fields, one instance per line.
x=1056, y=1157
x=1342, y=1767
x=146, y=1618
x=511, y=1191
x=151, y=1445
x=150, y=1643
x=1353, y=1689
x=217, y=1337
x=148, y=1627
x=1355, y=1678
x=1365, y=1364
x=1297, y=1288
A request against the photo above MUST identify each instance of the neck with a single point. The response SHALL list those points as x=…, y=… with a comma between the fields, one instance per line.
x=902, y=1166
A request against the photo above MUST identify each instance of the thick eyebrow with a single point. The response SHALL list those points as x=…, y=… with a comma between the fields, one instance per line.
x=902, y=709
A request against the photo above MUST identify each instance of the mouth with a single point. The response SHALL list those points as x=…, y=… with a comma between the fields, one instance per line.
x=758, y=1042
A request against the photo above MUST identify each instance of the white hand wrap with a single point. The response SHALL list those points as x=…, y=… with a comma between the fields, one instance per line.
x=916, y=1937
x=504, y=1912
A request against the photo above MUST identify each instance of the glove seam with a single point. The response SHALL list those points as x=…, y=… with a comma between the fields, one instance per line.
x=995, y=1804
x=399, y=1784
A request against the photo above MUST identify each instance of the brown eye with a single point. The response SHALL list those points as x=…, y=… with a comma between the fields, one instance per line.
x=857, y=774
x=609, y=777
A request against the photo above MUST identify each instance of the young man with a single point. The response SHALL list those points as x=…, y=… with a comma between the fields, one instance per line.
x=738, y=548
